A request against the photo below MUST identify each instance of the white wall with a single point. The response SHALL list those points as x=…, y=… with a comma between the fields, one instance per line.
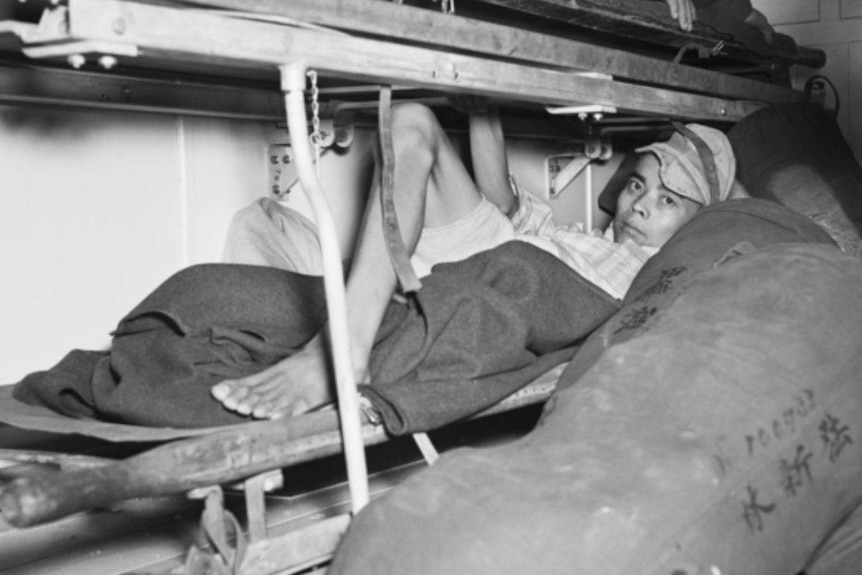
x=83, y=227
x=98, y=208
x=834, y=26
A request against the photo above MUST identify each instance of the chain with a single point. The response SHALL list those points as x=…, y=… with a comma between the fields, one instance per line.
x=315, y=120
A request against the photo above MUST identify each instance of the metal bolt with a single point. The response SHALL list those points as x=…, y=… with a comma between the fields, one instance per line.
x=723, y=111
x=107, y=61
x=119, y=26
x=76, y=60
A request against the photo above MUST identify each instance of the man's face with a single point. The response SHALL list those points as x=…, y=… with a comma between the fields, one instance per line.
x=647, y=212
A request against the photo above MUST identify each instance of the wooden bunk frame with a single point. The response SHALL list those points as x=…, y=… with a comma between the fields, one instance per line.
x=445, y=53
x=248, y=458
x=250, y=47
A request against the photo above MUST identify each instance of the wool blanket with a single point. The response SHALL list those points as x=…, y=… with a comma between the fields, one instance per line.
x=476, y=332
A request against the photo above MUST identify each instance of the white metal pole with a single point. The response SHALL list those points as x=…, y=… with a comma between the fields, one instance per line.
x=293, y=85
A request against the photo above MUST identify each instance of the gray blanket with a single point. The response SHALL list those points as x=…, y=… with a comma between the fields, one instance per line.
x=478, y=331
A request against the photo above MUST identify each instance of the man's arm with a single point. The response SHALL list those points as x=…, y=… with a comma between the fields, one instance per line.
x=487, y=150
x=490, y=165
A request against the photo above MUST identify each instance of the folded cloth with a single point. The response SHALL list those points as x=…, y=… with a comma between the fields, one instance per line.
x=268, y=233
x=479, y=330
x=65, y=387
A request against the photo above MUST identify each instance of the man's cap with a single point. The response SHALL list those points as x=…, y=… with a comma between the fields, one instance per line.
x=683, y=170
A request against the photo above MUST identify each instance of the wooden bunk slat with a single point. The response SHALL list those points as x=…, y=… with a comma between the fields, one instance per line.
x=220, y=457
x=427, y=27
x=649, y=22
x=213, y=459
x=164, y=33
x=298, y=549
x=60, y=87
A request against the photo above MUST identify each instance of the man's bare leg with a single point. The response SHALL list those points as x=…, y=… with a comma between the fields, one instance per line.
x=432, y=188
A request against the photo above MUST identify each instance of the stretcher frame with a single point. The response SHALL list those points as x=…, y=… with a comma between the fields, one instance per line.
x=370, y=42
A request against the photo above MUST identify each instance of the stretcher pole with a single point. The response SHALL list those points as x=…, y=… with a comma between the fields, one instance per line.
x=293, y=85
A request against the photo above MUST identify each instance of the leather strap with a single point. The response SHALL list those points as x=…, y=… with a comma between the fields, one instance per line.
x=706, y=157
x=391, y=231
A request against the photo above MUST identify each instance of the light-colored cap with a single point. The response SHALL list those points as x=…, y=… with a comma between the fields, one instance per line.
x=682, y=170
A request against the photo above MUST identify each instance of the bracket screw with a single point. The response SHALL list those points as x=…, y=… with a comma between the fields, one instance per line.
x=107, y=61
x=76, y=60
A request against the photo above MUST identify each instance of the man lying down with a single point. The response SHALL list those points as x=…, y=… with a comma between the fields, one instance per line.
x=447, y=216
x=520, y=296
x=211, y=331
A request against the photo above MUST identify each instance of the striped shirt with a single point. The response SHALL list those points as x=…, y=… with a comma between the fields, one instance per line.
x=594, y=255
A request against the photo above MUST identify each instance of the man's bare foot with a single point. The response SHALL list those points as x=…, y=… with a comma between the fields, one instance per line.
x=293, y=386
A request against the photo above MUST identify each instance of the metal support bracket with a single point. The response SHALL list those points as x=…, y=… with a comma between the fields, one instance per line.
x=77, y=53
x=336, y=131
x=50, y=39
x=255, y=489
x=221, y=531
x=562, y=169
x=20, y=29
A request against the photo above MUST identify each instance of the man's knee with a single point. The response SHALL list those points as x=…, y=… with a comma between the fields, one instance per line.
x=415, y=124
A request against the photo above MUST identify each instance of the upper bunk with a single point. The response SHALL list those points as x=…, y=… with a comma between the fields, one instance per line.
x=617, y=61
